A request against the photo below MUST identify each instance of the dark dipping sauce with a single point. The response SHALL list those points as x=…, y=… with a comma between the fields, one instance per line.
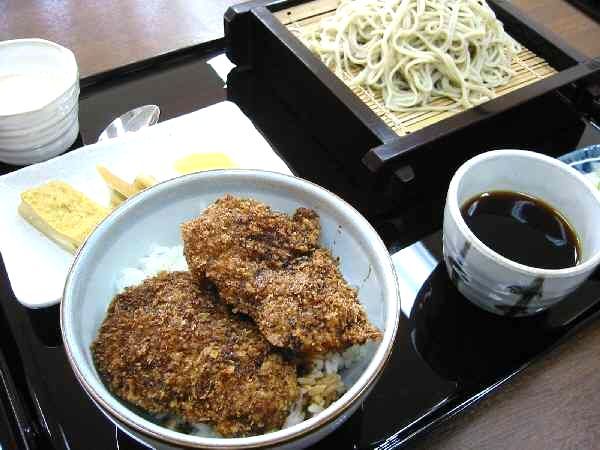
x=523, y=229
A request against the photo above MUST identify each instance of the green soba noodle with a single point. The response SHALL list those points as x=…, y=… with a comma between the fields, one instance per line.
x=416, y=51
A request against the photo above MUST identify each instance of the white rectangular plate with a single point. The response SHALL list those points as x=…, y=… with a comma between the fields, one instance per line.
x=37, y=267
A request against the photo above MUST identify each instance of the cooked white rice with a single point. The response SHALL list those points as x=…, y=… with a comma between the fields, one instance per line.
x=159, y=259
x=319, y=387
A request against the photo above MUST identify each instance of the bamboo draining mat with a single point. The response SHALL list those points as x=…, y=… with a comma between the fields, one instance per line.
x=528, y=67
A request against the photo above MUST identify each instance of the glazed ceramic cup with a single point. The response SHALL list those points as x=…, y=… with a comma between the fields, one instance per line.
x=494, y=282
x=42, y=130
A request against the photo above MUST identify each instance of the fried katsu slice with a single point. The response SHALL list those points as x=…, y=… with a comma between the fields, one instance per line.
x=306, y=306
x=167, y=347
x=269, y=238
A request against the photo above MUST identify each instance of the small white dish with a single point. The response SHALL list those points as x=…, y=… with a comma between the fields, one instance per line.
x=155, y=216
x=587, y=161
x=39, y=94
x=487, y=278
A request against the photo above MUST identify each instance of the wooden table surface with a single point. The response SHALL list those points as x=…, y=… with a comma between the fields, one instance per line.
x=105, y=34
x=553, y=404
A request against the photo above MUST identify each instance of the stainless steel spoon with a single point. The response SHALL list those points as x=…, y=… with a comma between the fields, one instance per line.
x=131, y=121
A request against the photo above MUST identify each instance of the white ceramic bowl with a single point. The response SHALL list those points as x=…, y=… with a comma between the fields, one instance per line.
x=43, y=129
x=31, y=140
x=154, y=216
x=494, y=282
x=45, y=119
x=34, y=154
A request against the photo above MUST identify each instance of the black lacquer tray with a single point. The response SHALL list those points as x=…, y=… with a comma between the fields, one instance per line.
x=448, y=353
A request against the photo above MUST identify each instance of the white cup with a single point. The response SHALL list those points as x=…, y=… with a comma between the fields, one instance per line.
x=494, y=282
x=44, y=123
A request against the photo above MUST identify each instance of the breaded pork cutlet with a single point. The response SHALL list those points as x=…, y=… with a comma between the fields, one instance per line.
x=306, y=306
x=246, y=226
x=268, y=265
x=167, y=347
